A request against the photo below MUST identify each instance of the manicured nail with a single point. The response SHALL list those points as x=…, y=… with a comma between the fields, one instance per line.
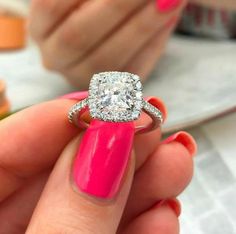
x=167, y=5
x=75, y=95
x=102, y=158
x=175, y=205
x=158, y=103
x=185, y=139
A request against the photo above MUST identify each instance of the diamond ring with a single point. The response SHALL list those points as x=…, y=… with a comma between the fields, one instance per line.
x=115, y=97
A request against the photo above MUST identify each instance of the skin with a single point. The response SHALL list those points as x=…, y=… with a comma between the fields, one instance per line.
x=226, y=4
x=133, y=35
x=38, y=195
x=37, y=192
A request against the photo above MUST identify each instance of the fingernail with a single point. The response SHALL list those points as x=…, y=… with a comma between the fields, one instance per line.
x=102, y=158
x=158, y=103
x=185, y=139
x=175, y=205
x=75, y=95
x=167, y=5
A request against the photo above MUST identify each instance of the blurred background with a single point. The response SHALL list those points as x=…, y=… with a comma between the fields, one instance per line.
x=196, y=78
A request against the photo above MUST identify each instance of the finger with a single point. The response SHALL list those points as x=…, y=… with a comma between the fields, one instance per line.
x=81, y=24
x=21, y=219
x=144, y=61
x=90, y=199
x=168, y=171
x=45, y=15
x=33, y=147
x=16, y=211
x=227, y=5
x=161, y=219
x=30, y=144
x=151, y=138
x=129, y=38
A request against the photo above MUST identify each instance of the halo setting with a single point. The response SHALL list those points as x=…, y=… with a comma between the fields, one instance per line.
x=115, y=96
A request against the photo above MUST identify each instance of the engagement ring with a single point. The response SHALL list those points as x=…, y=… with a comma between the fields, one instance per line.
x=115, y=97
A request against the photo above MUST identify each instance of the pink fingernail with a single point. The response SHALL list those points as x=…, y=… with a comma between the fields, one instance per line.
x=167, y=5
x=175, y=205
x=185, y=139
x=75, y=95
x=102, y=158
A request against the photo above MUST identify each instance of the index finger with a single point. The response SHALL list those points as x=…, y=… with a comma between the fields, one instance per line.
x=32, y=140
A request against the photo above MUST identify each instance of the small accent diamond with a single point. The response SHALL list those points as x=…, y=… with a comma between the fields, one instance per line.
x=77, y=108
x=153, y=111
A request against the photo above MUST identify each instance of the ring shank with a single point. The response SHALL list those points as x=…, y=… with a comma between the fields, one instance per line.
x=81, y=107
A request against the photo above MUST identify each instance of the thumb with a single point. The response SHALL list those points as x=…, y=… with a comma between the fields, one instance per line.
x=88, y=188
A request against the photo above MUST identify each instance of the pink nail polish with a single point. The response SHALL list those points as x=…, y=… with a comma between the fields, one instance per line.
x=102, y=158
x=185, y=139
x=167, y=5
x=175, y=205
x=75, y=95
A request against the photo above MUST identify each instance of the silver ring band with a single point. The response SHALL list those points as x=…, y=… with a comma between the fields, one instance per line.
x=81, y=107
x=115, y=97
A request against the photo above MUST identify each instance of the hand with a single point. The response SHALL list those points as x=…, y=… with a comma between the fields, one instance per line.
x=79, y=38
x=229, y=5
x=37, y=150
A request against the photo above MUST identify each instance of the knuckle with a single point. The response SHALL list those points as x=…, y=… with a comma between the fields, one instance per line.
x=73, y=223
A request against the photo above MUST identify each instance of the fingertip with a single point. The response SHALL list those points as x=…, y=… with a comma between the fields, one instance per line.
x=185, y=139
x=161, y=219
x=175, y=205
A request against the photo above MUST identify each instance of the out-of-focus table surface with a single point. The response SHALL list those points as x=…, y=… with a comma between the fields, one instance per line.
x=209, y=203
x=197, y=80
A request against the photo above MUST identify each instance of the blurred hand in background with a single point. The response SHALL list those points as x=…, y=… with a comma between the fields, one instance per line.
x=226, y=4
x=79, y=38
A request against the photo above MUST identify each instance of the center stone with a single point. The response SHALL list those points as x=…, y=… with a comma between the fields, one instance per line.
x=115, y=96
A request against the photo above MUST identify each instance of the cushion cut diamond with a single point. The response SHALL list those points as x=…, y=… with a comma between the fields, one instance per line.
x=115, y=96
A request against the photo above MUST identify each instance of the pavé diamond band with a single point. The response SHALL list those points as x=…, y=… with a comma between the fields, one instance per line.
x=115, y=97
